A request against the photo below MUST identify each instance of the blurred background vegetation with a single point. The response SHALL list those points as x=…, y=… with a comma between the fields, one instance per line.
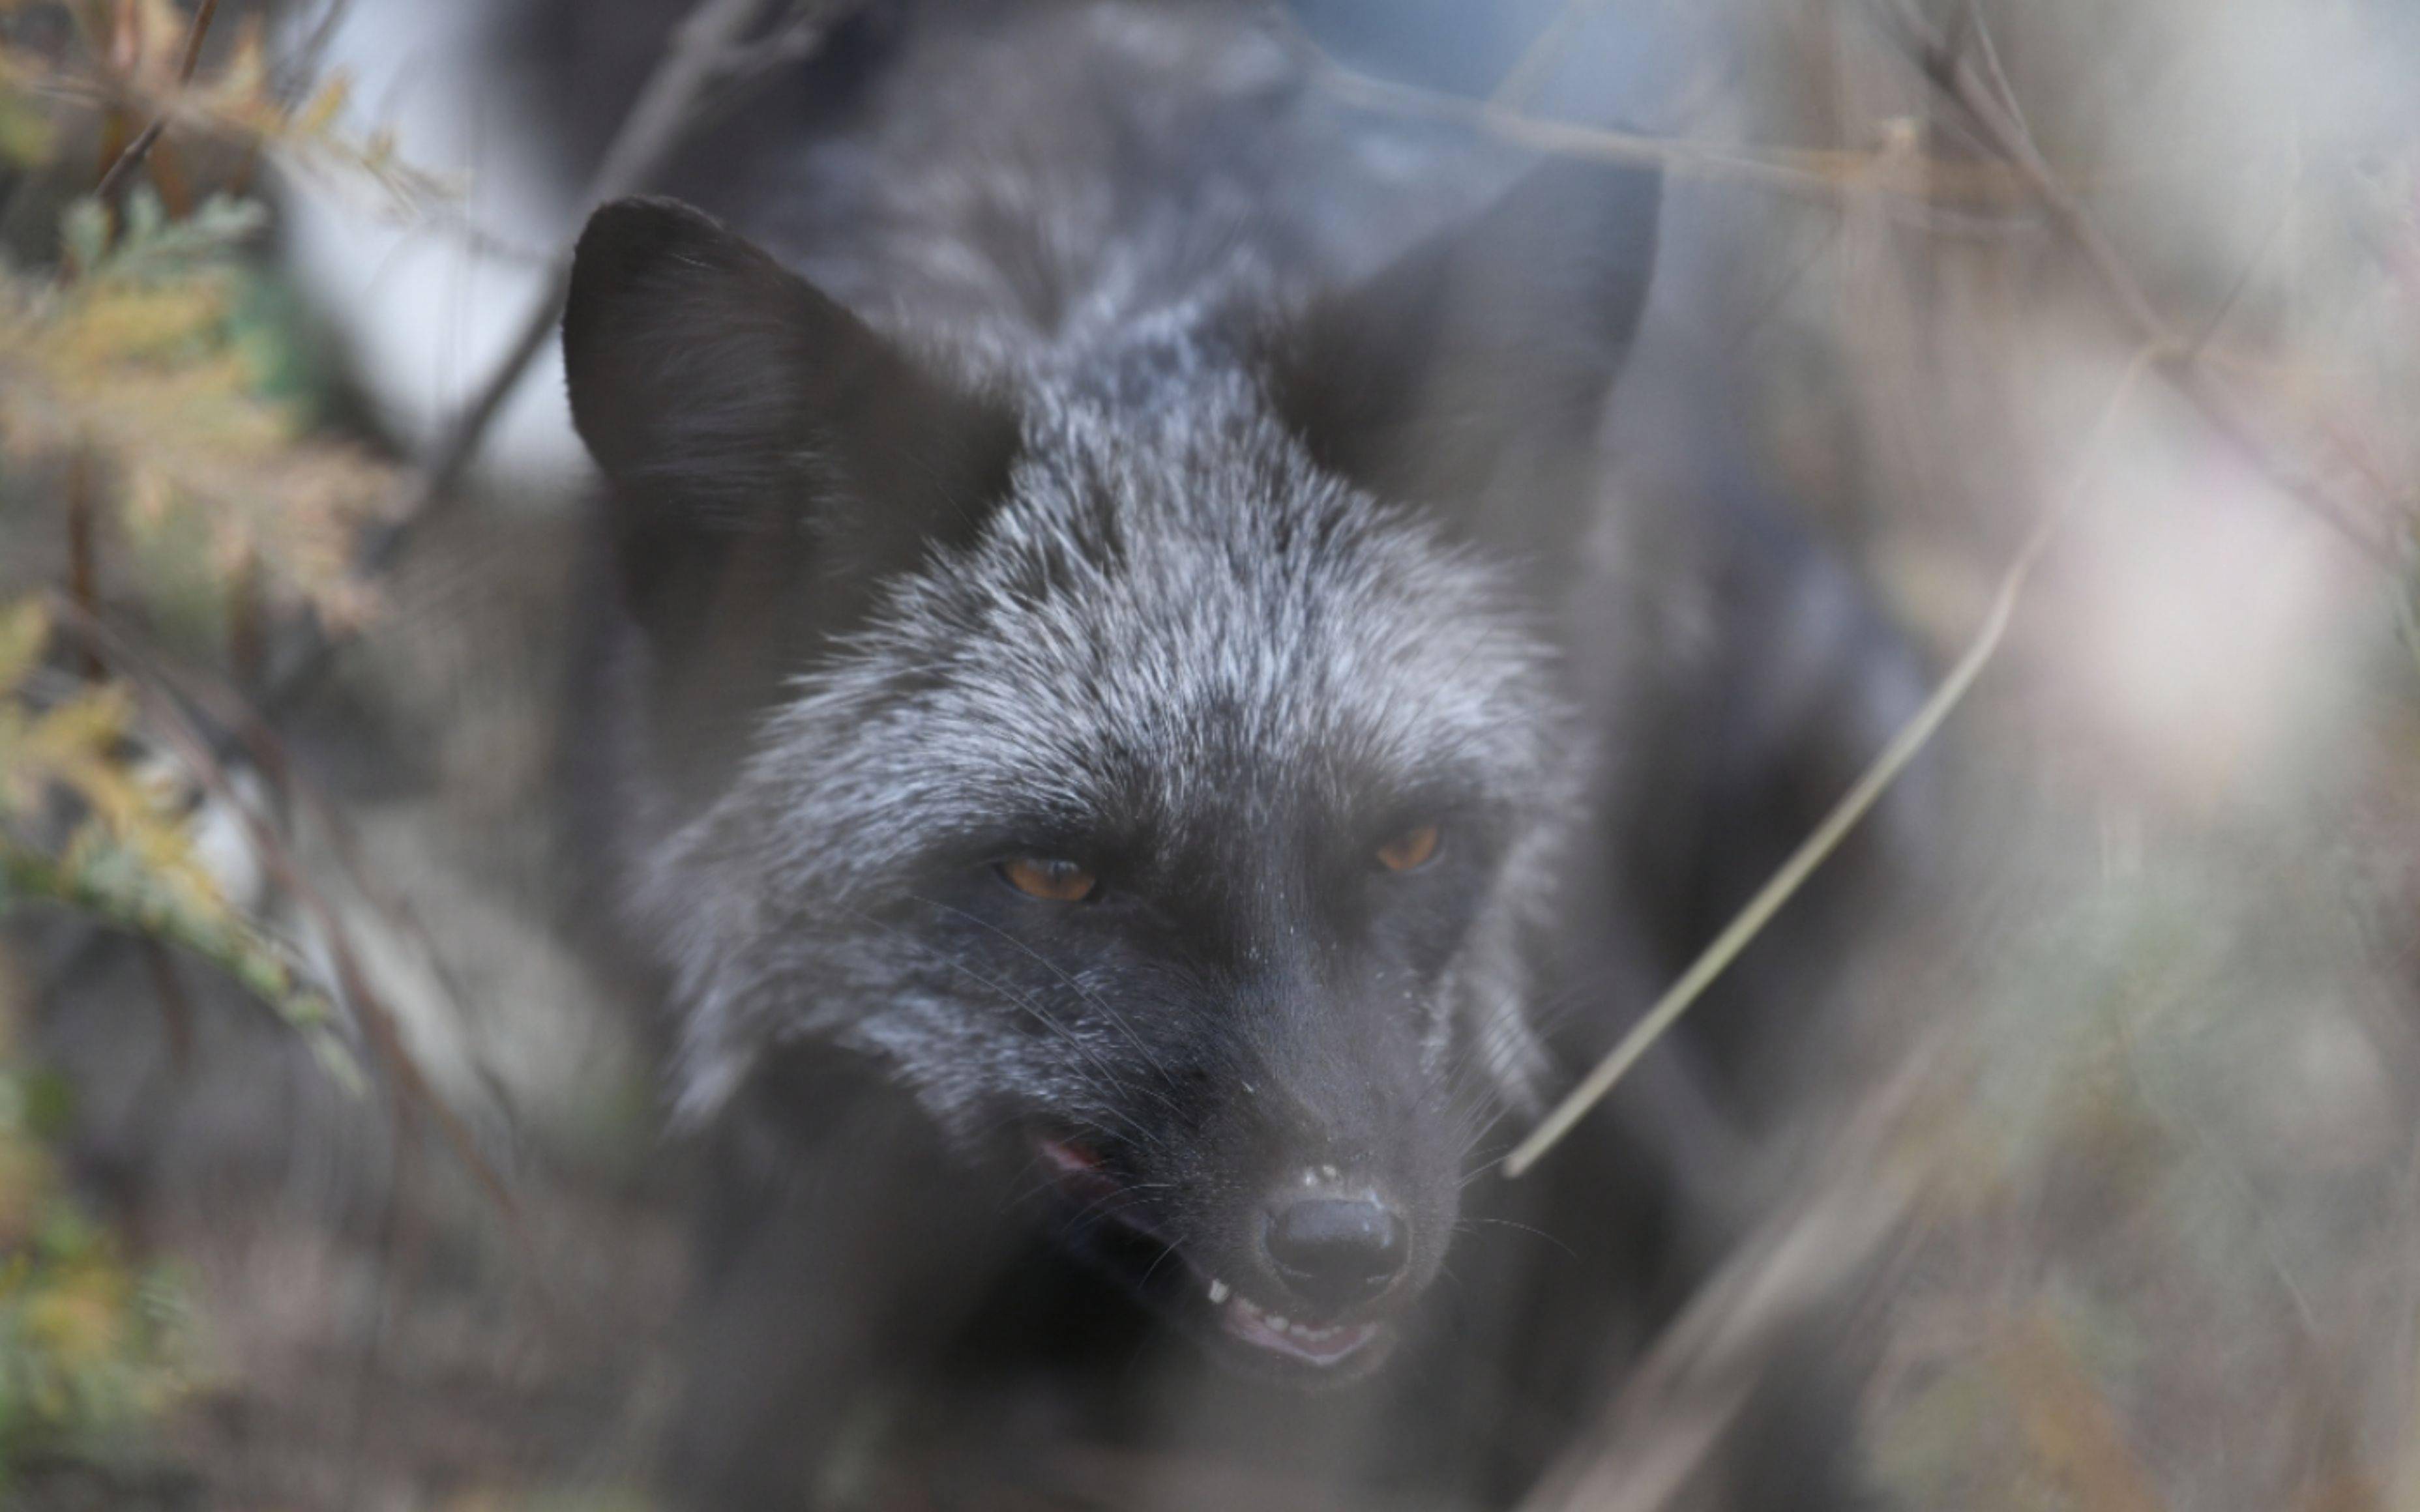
x=329, y=1177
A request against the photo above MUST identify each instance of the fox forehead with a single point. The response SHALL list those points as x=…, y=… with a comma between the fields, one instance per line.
x=1167, y=618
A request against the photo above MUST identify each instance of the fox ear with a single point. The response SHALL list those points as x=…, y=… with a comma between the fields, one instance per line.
x=730, y=402
x=1472, y=372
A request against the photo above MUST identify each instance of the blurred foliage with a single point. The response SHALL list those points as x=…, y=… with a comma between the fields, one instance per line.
x=130, y=56
x=150, y=416
x=135, y=368
x=92, y=1346
x=151, y=367
x=129, y=857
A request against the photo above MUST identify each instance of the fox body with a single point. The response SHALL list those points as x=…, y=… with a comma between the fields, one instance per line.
x=1090, y=731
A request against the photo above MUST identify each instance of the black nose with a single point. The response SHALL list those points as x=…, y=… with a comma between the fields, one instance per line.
x=1336, y=1252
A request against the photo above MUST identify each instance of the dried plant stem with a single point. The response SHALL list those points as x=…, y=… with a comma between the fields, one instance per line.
x=1980, y=94
x=84, y=551
x=707, y=50
x=1861, y=797
x=1808, y=174
x=1828, y=177
x=175, y=1009
x=131, y=156
x=1530, y=72
x=375, y=1020
x=708, y=59
x=1781, y=1288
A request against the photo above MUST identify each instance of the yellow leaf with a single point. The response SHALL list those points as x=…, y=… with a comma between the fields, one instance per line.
x=24, y=630
x=320, y=114
x=81, y=731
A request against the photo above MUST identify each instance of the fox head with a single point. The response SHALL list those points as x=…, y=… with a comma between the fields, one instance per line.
x=1153, y=757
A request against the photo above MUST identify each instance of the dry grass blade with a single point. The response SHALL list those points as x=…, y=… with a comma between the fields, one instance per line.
x=1817, y=846
x=2069, y=1424
x=1657, y=1437
x=1813, y=174
x=1826, y=177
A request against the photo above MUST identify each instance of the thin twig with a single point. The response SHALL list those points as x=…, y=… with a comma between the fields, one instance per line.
x=303, y=69
x=84, y=554
x=175, y=1009
x=135, y=151
x=1825, y=175
x=239, y=726
x=1870, y=787
x=1803, y=174
x=1782, y=1287
x=1952, y=73
x=2000, y=76
x=376, y=1019
x=1536, y=63
x=707, y=61
x=706, y=51
x=2244, y=276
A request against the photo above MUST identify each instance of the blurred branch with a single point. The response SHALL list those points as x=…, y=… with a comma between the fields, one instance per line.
x=1761, y=1310
x=1980, y=94
x=302, y=66
x=131, y=156
x=1814, y=175
x=709, y=49
x=1827, y=176
x=239, y=726
x=710, y=59
x=246, y=955
x=1530, y=72
x=1861, y=797
x=175, y=1009
x=2159, y=344
x=377, y=1021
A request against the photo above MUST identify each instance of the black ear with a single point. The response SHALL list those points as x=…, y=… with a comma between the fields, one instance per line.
x=750, y=426
x=1473, y=372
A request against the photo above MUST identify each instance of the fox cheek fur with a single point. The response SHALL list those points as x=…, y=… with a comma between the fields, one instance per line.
x=1217, y=615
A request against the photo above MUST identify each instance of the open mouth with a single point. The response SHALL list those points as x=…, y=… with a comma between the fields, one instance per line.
x=1161, y=1271
x=1313, y=1344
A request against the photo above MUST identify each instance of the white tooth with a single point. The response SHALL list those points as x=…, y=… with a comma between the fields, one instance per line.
x=1217, y=1292
x=1276, y=1322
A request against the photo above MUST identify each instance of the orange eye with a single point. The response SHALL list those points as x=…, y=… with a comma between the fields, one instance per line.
x=1052, y=881
x=1410, y=849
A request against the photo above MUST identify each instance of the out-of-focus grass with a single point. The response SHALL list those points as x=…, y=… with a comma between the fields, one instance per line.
x=2164, y=1260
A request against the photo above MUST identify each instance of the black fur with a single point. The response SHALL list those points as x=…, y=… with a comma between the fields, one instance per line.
x=1076, y=484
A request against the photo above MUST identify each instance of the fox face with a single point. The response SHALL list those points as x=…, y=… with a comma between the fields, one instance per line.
x=1154, y=756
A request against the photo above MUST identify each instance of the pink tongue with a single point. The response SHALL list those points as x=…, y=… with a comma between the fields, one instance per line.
x=1070, y=1158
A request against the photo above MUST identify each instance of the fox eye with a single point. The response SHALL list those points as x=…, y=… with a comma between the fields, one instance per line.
x=1049, y=879
x=1411, y=850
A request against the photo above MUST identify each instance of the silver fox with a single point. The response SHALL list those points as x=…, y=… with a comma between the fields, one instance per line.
x=1103, y=729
